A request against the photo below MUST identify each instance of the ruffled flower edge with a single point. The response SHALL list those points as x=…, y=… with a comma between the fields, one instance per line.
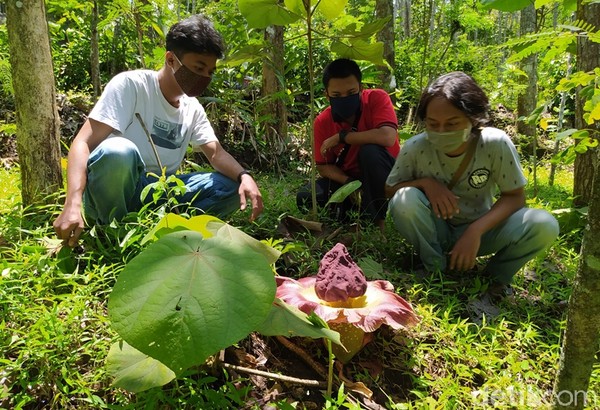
x=379, y=305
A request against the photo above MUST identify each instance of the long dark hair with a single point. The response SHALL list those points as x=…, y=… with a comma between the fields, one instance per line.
x=461, y=91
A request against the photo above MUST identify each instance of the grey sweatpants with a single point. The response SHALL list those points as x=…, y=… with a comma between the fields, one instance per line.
x=512, y=243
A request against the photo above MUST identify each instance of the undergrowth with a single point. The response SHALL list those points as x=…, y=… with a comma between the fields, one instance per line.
x=55, y=333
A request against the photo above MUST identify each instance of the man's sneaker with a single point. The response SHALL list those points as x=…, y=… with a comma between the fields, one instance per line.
x=498, y=291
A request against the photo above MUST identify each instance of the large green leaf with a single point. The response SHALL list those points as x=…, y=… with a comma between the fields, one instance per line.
x=134, y=371
x=367, y=30
x=235, y=236
x=287, y=320
x=506, y=5
x=297, y=6
x=264, y=13
x=331, y=8
x=185, y=298
x=360, y=50
x=245, y=55
x=570, y=5
x=173, y=223
x=342, y=192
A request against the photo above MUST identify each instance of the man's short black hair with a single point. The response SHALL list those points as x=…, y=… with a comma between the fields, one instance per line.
x=195, y=34
x=341, y=68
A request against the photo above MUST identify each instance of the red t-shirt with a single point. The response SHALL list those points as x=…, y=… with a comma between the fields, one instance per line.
x=376, y=111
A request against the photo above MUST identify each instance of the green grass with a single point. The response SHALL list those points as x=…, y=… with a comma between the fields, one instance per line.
x=10, y=188
x=55, y=333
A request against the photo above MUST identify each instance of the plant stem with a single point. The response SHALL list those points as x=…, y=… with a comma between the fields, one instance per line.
x=330, y=370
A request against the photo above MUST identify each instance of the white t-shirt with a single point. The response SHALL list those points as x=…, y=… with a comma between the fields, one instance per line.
x=495, y=165
x=172, y=129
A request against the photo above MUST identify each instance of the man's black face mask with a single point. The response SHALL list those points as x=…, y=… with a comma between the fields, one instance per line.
x=343, y=108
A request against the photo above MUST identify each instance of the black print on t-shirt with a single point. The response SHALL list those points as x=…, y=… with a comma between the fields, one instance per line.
x=166, y=134
x=479, y=178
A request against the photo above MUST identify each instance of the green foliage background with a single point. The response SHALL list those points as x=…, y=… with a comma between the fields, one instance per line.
x=458, y=35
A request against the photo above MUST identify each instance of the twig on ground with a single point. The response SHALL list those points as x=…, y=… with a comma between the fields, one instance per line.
x=275, y=376
x=304, y=356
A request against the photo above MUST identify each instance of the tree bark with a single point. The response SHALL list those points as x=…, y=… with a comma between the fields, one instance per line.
x=385, y=8
x=588, y=58
x=406, y=17
x=527, y=101
x=274, y=109
x=580, y=342
x=38, y=132
x=94, y=52
x=137, y=16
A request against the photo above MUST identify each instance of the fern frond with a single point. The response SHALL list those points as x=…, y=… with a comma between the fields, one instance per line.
x=555, y=42
x=531, y=38
x=579, y=25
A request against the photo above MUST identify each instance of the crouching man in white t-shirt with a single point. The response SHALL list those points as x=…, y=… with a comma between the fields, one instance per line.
x=111, y=156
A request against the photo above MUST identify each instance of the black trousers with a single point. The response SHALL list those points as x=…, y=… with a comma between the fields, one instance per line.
x=375, y=164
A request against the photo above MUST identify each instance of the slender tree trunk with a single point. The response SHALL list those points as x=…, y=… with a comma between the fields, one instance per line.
x=38, y=133
x=405, y=16
x=385, y=8
x=274, y=110
x=137, y=15
x=559, y=125
x=115, y=66
x=428, y=40
x=94, y=52
x=580, y=342
x=527, y=101
x=588, y=58
x=311, y=119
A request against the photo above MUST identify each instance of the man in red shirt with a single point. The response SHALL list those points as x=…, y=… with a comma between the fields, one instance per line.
x=356, y=138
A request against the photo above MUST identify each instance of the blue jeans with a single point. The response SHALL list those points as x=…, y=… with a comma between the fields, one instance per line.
x=513, y=242
x=116, y=176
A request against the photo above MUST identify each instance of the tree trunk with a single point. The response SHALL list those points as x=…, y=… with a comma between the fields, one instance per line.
x=137, y=16
x=385, y=8
x=38, y=133
x=116, y=63
x=94, y=52
x=406, y=22
x=527, y=101
x=580, y=342
x=588, y=58
x=274, y=110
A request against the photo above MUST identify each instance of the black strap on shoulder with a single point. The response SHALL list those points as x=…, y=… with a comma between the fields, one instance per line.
x=465, y=161
x=344, y=152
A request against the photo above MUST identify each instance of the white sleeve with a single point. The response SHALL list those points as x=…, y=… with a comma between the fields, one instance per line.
x=202, y=130
x=116, y=104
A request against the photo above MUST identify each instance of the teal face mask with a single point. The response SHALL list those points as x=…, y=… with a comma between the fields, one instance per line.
x=448, y=141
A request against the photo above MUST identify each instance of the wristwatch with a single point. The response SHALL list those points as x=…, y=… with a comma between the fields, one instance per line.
x=343, y=134
x=243, y=172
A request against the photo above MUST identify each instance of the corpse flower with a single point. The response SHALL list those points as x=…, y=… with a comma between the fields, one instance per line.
x=342, y=297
